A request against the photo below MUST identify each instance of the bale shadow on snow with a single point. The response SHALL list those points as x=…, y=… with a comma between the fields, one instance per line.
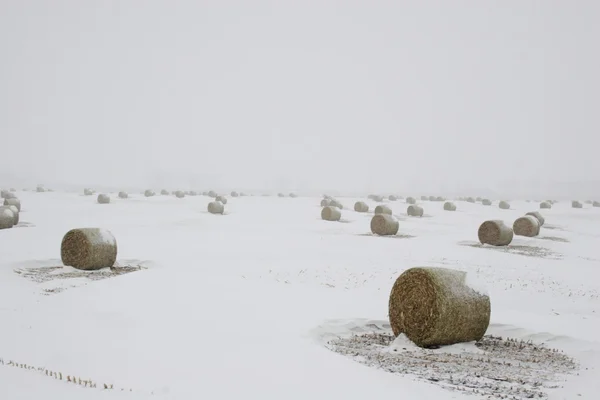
x=529, y=251
x=386, y=236
x=24, y=225
x=554, y=239
x=494, y=367
x=553, y=227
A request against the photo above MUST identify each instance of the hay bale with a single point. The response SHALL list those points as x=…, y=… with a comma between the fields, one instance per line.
x=392, y=197
x=193, y=193
x=596, y=204
x=360, y=206
x=538, y=216
x=411, y=200
x=495, y=233
x=574, y=204
x=216, y=207
x=212, y=193
x=293, y=195
x=471, y=200
x=414, y=211
x=7, y=218
x=440, y=198
x=88, y=192
x=40, y=189
x=331, y=213
x=504, y=205
x=222, y=199
x=335, y=203
x=149, y=193
x=378, y=198
x=179, y=194
x=4, y=193
x=15, y=212
x=103, y=199
x=478, y=199
x=438, y=306
x=13, y=202
x=235, y=194
x=449, y=206
x=486, y=202
x=123, y=195
x=545, y=205
x=431, y=198
x=280, y=195
x=325, y=202
x=384, y=225
x=88, y=249
x=383, y=210
x=526, y=226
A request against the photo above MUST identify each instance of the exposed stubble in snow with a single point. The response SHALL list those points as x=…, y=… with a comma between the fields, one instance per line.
x=529, y=251
x=493, y=367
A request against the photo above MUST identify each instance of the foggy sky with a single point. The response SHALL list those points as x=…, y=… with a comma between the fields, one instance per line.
x=349, y=95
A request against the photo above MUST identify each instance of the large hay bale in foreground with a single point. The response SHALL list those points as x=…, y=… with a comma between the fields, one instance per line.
x=123, y=195
x=538, y=216
x=526, y=226
x=331, y=213
x=414, y=211
x=360, y=206
x=216, y=207
x=495, y=233
x=88, y=249
x=504, y=205
x=449, y=206
x=222, y=199
x=13, y=202
x=103, y=199
x=486, y=202
x=325, y=202
x=384, y=225
x=383, y=210
x=576, y=204
x=438, y=306
x=411, y=200
x=545, y=205
x=179, y=194
x=149, y=193
x=7, y=218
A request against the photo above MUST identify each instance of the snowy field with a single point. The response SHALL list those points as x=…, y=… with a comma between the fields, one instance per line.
x=270, y=302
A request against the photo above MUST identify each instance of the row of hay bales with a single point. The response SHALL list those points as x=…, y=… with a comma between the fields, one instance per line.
x=497, y=233
x=413, y=210
x=10, y=212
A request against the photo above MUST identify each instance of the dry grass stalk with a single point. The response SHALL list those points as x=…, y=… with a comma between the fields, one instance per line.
x=7, y=218
x=486, y=202
x=359, y=206
x=103, y=199
x=222, y=199
x=123, y=195
x=495, y=233
x=88, y=249
x=449, y=206
x=504, y=205
x=331, y=213
x=526, y=226
x=216, y=207
x=545, y=205
x=537, y=215
x=436, y=306
x=384, y=225
x=383, y=210
x=411, y=200
x=414, y=211
x=13, y=202
x=576, y=204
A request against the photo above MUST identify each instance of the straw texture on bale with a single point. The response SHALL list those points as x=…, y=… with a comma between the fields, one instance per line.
x=216, y=207
x=222, y=199
x=234, y=194
x=495, y=233
x=411, y=200
x=436, y=307
x=88, y=192
x=392, y=197
x=335, y=203
x=88, y=249
x=360, y=206
x=449, y=206
x=471, y=200
x=325, y=202
x=414, y=211
x=13, y=202
x=331, y=213
x=14, y=211
x=7, y=218
x=486, y=202
x=574, y=204
x=383, y=210
x=545, y=205
x=179, y=194
x=526, y=226
x=384, y=225
x=149, y=193
x=504, y=205
x=123, y=195
x=103, y=199
x=538, y=216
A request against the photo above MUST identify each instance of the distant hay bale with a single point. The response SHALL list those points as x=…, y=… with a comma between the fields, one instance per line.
x=164, y=192
x=293, y=195
x=103, y=199
x=495, y=233
x=378, y=198
x=193, y=193
x=149, y=193
x=449, y=206
x=4, y=193
x=242, y=194
x=331, y=213
x=335, y=203
x=40, y=189
x=588, y=202
x=212, y=194
x=504, y=205
x=424, y=198
x=538, y=216
x=280, y=195
x=596, y=204
x=414, y=211
x=123, y=195
x=545, y=205
x=526, y=226
x=383, y=210
x=411, y=200
x=431, y=198
x=576, y=204
x=359, y=206
x=471, y=200
x=478, y=199
x=15, y=212
x=7, y=218
x=235, y=194
x=440, y=198
x=179, y=194
x=438, y=306
x=486, y=202
x=88, y=192
x=325, y=202
x=216, y=207
x=88, y=249
x=392, y=197
x=222, y=199
x=384, y=225
x=13, y=202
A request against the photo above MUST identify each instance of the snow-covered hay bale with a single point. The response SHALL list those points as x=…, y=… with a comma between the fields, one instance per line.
x=123, y=195
x=15, y=212
x=438, y=306
x=88, y=249
x=504, y=205
x=222, y=199
x=164, y=192
x=149, y=193
x=335, y=203
x=486, y=202
x=411, y=200
x=103, y=198
x=526, y=226
x=392, y=197
x=7, y=218
x=235, y=194
x=384, y=225
x=449, y=206
x=414, y=211
x=179, y=194
x=383, y=210
x=331, y=213
x=576, y=204
x=596, y=204
x=216, y=207
x=360, y=206
x=325, y=202
x=545, y=205
x=88, y=192
x=495, y=233
x=471, y=200
x=13, y=202
x=538, y=216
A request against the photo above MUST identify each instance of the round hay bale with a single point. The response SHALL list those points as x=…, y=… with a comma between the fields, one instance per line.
x=88, y=249
x=414, y=211
x=431, y=198
x=411, y=200
x=103, y=199
x=164, y=192
x=545, y=205
x=4, y=193
x=40, y=189
x=216, y=207
x=538, y=216
x=335, y=203
x=15, y=212
x=179, y=194
x=588, y=202
x=280, y=195
x=424, y=198
x=88, y=192
x=123, y=195
x=384, y=225
x=440, y=198
x=378, y=198
x=383, y=210
x=7, y=218
x=325, y=202
x=437, y=306
x=574, y=204
x=526, y=226
x=149, y=193
x=222, y=199
x=449, y=206
x=504, y=205
x=478, y=199
x=486, y=202
x=13, y=202
x=331, y=213
x=471, y=200
x=212, y=193
x=392, y=197
x=235, y=194
x=293, y=195
x=495, y=233
x=360, y=206
x=596, y=204
x=193, y=193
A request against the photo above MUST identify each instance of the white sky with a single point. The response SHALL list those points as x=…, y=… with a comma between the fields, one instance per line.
x=348, y=95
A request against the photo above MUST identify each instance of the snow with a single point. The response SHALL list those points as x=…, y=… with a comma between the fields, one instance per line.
x=244, y=304
x=477, y=285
